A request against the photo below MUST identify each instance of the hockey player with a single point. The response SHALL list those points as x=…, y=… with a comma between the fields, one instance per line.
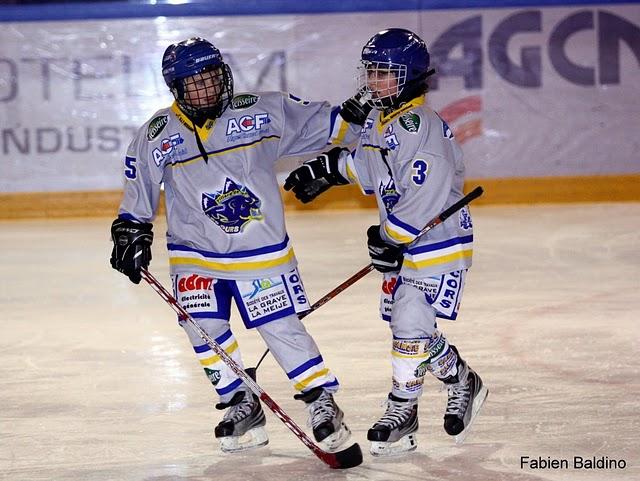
x=407, y=156
x=215, y=154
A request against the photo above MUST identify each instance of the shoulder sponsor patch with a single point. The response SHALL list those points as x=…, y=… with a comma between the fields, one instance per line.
x=244, y=101
x=156, y=126
x=410, y=122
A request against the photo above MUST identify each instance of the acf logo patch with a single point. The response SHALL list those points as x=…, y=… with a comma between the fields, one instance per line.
x=247, y=123
x=410, y=122
x=243, y=101
x=233, y=207
x=156, y=126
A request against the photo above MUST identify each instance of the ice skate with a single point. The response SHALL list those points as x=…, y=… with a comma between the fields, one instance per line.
x=242, y=426
x=325, y=418
x=466, y=396
x=395, y=432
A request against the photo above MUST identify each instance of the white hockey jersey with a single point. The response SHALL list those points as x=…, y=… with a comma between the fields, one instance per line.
x=411, y=162
x=225, y=215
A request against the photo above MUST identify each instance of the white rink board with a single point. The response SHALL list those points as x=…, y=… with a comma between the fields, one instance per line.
x=98, y=383
x=73, y=92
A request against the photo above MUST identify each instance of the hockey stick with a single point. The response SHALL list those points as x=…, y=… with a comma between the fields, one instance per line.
x=347, y=458
x=474, y=194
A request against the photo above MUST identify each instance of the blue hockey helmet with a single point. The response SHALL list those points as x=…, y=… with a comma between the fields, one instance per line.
x=198, y=77
x=402, y=54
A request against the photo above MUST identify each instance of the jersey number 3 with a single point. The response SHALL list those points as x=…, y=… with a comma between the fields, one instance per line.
x=420, y=168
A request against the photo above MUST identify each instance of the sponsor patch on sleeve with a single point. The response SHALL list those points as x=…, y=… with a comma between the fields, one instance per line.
x=156, y=126
x=410, y=122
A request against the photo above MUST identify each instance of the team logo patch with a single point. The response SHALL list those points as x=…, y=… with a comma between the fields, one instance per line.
x=233, y=207
x=390, y=138
x=389, y=195
x=247, y=123
x=156, y=126
x=244, y=101
x=446, y=131
x=465, y=219
x=168, y=149
x=366, y=129
x=260, y=285
x=410, y=122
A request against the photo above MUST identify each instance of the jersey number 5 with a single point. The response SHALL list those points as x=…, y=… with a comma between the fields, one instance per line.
x=130, y=167
x=420, y=168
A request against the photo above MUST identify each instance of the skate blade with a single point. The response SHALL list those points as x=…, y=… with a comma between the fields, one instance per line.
x=252, y=439
x=333, y=442
x=477, y=405
x=404, y=445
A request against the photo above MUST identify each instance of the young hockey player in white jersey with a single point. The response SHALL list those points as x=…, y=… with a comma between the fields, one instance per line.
x=215, y=155
x=408, y=158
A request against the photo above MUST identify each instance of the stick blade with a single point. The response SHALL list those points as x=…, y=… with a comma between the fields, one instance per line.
x=347, y=458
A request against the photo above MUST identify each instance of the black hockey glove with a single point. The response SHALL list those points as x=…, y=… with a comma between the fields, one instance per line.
x=315, y=176
x=355, y=110
x=385, y=257
x=131, y=247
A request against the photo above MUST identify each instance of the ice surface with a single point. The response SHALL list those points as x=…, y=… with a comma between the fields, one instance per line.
x=97, y=381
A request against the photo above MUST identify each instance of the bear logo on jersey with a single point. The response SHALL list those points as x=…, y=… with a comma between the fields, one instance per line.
x=389, y=195
x=233, y=207
x=465, y=218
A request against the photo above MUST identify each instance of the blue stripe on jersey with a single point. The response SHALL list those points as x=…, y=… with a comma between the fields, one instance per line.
x=220, y=151
x=230, y=387
x=232, y=255
x=302, y=368
x=441, y=245
x=334, y=114
x=409, y=228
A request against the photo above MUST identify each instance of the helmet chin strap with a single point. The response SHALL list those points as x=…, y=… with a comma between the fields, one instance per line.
x=410, y=91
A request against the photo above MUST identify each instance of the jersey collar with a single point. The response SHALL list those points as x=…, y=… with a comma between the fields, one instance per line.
x=384, y=120
x=204, y=132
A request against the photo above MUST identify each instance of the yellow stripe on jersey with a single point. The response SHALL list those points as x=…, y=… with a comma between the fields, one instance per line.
x=305, y=382
x=384, y=120
x=223, y=152
x=234, y=266
x=465, y=254
x=213, y=359
x=342, y=132
x=403, y=239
